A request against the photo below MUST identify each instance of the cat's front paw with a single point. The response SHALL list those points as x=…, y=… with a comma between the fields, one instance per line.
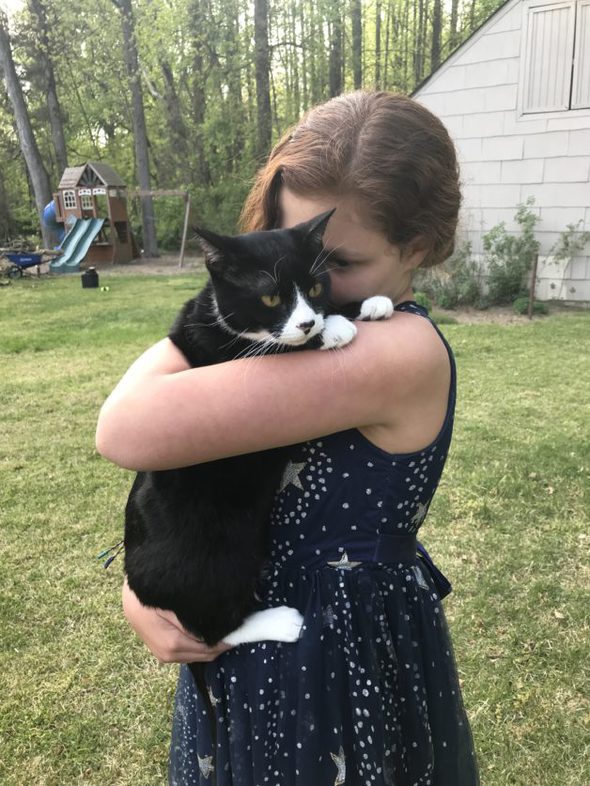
x=338, y=331
x=281, y=623
x=377, y=307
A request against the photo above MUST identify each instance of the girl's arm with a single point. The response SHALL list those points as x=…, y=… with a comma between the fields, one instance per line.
x=163, y=414
x=163, y=634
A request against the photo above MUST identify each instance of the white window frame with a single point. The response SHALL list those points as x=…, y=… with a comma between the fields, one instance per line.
x=70, y=201
x=86, y=201
x=579, y=57
x=528, y=6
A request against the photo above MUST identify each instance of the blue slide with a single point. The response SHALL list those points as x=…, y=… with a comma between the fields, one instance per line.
x=75, y=245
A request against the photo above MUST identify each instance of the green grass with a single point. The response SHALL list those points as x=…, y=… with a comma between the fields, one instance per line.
x=83, y=702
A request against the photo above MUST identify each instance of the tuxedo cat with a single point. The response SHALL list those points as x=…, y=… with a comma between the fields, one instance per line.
x=195, y=537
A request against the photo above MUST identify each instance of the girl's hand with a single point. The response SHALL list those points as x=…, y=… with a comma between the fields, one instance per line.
x=163, y=634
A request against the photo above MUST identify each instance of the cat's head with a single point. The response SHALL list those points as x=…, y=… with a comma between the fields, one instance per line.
x=270, y=286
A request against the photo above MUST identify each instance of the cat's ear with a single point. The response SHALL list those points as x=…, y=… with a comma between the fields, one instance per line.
x=314, y=228
x=213, y=245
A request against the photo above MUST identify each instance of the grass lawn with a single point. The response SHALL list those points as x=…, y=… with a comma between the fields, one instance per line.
x=83, y=702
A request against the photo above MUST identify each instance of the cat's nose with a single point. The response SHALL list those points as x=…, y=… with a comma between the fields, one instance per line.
x=305, y=327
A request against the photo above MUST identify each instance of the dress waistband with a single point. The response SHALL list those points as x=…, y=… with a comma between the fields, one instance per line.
x=391, y=547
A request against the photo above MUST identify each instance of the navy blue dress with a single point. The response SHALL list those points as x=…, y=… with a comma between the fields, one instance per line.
x=369, y=694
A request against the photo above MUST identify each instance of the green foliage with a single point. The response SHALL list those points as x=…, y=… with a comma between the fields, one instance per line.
x=423, y=300
x=454, y=283
x=198, y=76
x=570, y=243
x=509, y=257
x=521, y=306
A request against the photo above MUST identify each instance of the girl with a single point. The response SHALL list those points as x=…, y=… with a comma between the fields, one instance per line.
x=369, y=694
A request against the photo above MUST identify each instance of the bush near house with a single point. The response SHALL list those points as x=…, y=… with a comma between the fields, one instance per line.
x=501, y=277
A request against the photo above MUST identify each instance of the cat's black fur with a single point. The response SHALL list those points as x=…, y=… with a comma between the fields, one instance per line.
x=195, y=536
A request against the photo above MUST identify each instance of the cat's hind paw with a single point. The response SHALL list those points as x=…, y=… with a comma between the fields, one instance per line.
x=281, y=623
x=376, y=307
x=338, y=331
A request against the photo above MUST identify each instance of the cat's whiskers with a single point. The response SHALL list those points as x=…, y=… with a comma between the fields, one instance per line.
x=270, y=275
x=253, y=347
x=276, y=275
x=319, y=260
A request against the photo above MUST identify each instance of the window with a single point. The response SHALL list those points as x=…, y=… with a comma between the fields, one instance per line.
x=70, y=200
x=86, y=198
x=557, y=56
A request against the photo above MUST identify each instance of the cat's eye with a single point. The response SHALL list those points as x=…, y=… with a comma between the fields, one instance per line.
x=271, y=300
x=315, y=290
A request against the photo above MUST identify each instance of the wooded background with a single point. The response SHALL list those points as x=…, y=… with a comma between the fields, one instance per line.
x=192, y=93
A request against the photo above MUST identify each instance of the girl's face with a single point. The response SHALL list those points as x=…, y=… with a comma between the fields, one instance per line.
x=361, y=261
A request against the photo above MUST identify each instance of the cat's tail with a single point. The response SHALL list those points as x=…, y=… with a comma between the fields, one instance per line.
x=198, y=672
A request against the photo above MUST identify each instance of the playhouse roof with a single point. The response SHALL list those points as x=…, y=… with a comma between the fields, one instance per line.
x=73, y=175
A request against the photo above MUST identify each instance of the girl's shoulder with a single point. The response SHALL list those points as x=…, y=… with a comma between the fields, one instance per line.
x=417, y=371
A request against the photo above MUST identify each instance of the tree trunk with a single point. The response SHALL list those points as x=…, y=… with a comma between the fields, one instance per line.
x=37, y=9
x=436, y=34
x=262, y=64
x=357, y=44
x=295, y=66
x=199, y=99
x=238, y=121
x=304, y=50
x=378, y=45
x=335, y=72
x=148, y=219
x=176, y=124
x=28, y=144
x=418, y=43
x=472, y=23
x=453, y=40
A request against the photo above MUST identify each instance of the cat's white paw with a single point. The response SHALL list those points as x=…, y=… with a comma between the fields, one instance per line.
x=377, y=307
x=282, y=623
x=338, y=331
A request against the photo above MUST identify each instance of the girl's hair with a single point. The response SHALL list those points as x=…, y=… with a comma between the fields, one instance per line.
x=388, y=152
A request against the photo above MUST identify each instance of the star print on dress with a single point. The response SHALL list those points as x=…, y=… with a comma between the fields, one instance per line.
x=291, y=476
x=420, y=513
x=341, y=764
x=344, y=563
x=328, y=616
x=205, y=765
x=369, y=696
x=214, y=701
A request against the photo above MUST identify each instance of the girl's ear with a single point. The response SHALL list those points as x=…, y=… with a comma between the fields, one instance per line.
x=414, y=252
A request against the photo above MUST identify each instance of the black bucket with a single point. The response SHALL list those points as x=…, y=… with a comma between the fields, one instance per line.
x=90, y=278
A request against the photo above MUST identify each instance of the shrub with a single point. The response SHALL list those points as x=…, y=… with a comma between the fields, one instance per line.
x=422, y=299
x=521, y=306
x=455, y=282
x=509, y=257
x=570, y=242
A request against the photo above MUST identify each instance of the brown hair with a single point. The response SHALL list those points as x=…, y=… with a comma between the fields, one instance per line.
x=388, y=152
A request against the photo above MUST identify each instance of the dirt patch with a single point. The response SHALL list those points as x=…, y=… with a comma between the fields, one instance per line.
x=159, y=266
x=497, y=315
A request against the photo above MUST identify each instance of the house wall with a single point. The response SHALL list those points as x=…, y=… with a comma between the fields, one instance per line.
x=506, y=157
